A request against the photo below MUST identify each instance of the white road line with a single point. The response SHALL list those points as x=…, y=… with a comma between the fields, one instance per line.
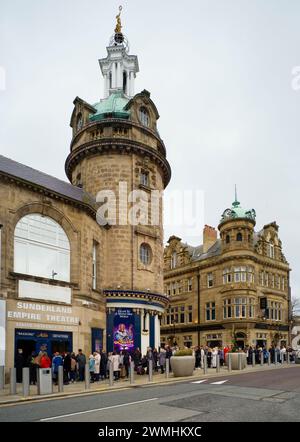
x=199, y=382
x=96, y=409
x=218, y=383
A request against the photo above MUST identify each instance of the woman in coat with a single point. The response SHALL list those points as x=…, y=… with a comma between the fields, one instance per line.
x=92, y=368
x=97, y=358
x=115, y=359
x=214, y=354
x=162, y=359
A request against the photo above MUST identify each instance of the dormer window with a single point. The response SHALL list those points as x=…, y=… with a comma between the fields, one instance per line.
x=79, y=122
x=173, y=260
x=271, y=250
x=144, y=116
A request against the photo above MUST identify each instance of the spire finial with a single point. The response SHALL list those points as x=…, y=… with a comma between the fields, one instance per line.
x=236, y=202
x=118, y=28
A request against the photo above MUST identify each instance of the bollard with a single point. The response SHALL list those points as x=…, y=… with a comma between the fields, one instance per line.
x=38, y=380
x=150, y=370
x=261, y=358
x=25, y=382
x=287, y=358
x=240, y=361
x=2, y=377
x=111, y=375
x=253, y=359
x=269, y=358
x=167, y=367
x=218, y=364
x=281, y=358
x=60, y=378
x=13, y=381
x=132, y=372
x=87, y=376
x=205, y=364
x=229, y=361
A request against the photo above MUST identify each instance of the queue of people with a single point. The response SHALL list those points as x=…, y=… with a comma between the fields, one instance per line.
x=100, y=363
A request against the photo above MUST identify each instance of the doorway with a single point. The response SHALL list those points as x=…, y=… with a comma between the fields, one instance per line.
x=28, y=346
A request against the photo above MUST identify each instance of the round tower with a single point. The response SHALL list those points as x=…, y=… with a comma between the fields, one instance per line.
x=118, y=157
x=237, y=227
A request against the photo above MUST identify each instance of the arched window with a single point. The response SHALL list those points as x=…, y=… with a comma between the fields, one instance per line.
x=145, y=254
x=227, y=239
x=144, y=116
x=239, y=237
x=41, y=248
x=79, y=122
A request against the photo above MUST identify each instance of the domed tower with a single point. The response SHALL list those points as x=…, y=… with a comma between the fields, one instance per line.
x=117, y=156
x=237, y=227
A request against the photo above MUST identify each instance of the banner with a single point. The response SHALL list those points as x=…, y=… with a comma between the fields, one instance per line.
x=123, y=329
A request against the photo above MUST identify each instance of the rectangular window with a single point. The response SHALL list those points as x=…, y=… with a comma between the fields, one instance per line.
x=144, y=178
x=190, y=313
x=210, y=280
x=210, y=311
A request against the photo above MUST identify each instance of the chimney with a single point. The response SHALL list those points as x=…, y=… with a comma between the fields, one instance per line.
x=209, y=237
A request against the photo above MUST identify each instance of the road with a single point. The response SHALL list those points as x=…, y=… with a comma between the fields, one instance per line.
x=260, y=396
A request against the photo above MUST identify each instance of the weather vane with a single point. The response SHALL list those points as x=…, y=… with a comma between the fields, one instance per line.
x=118, y=25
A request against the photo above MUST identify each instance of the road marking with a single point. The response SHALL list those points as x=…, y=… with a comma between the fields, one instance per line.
x=96, y=409
x=219, y=382
x=199, y=382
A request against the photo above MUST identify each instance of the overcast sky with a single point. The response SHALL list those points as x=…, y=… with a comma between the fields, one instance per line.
x=219, y=71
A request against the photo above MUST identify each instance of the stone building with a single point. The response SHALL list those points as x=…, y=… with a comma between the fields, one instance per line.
x=230, y=290
x=72, y=276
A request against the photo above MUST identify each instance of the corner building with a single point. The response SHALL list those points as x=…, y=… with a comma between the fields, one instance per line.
x=230, y=290
x=68, y=279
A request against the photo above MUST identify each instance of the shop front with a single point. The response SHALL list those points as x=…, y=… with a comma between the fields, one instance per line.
x=40, y=326
x=40, y=340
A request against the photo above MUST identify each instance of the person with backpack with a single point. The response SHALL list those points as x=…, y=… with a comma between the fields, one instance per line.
x=57, y=361
x=73, y=370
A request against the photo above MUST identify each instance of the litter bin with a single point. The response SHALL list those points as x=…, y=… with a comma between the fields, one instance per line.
x=45, y=381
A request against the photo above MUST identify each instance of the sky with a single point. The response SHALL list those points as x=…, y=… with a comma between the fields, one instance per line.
x=223, y=74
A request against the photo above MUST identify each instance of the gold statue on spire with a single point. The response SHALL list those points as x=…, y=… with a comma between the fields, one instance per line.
x=118, y=27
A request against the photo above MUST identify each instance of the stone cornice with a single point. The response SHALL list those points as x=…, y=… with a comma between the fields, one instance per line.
x=136, y=296
x=122, y=122
x=197, y=266
x=120, y=146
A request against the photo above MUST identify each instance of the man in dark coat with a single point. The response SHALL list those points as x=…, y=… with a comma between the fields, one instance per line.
x=103, y=364
x=81, y=359
x=19, y=364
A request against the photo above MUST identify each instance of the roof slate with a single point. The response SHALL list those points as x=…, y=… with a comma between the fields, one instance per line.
x=33, y=176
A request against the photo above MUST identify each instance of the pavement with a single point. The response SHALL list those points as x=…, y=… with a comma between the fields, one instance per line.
x=78, y=388
x=256, y=394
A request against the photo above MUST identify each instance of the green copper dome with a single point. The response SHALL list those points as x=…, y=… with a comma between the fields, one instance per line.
x=237, y=212
x=111, y=107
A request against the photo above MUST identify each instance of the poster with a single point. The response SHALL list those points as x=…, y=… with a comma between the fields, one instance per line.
x=123, y=329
